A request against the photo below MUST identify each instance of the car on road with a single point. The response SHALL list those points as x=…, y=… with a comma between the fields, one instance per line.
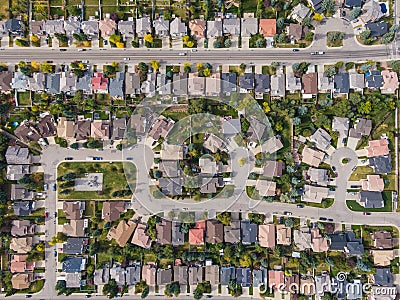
x=287, y=213
x=69, y=158
x=317, y=53
x=300, y=206
x=55, y=214
x=46, y=214
x=296, y=50
x=129, y=158
x=45, y=186
x=182, y=54
x=193, y=50
x=28, y=296
x=63, y=50
x=323, y=219
x=354, y=168
x=81, y=50
x=54, y=187
x=333, y=168
x=55, y=253
x=365, y=213
x=127, y=58
x=49, y=61
x=88, y=296
x=97, y=158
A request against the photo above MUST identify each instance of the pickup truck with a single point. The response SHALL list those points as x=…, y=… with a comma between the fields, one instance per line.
x=89, y=158
x=317, y=53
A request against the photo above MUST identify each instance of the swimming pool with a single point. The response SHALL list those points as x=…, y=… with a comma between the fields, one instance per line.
x=383, y=7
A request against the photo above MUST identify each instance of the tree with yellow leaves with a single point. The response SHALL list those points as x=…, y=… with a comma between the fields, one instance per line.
x=120, y=45
x=46, y=67
x=155, y=64
x=148, y=38
x=190, y=44
x=35, y=65
x=207, y=72
x=199, y=66
x=318, y=17
x=81, y=65
x=186, y=38
x=34, y=39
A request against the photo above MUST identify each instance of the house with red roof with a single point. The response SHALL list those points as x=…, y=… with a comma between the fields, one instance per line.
x=267, y=27
x=378, y=148
x=276, y=279
x=99, y=83
x=196, y=234
x=20, y=265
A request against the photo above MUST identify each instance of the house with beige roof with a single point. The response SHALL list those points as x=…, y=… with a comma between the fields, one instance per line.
x=21, y=245
x=196, y=84
x=214, y=143
x=302, y=238
x=177, y=28
x=122, y=232
x=112, y=209
x=171, y=152
x=249, y=25
x=382, y=258
x=211, y=274
x=75, y=228
x=100, y=129
x=140, y=237
x=161, y=127
x=65, y=128
x=107, y=27
x=373, y=183
x=283, y=235
x=318, y=242
x=213, y=85
x=164, y=232
x=19, y=264
x=312, y=157
x=197, y=28
x=266, y=188
x=314, y=194
x=390, y=82
x=266, y=235
x=149, y=271
x=21, y=281
x=377, y=148
x=22, y=227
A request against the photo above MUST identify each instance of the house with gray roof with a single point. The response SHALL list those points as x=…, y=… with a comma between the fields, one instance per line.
x=214, y=28
x=195, y=275
x=256, y=129
x=16, y=172
x=181, y=274
x=164, y=276
x=19, y=81
x=149, y=85
x=143, y=26
x=118, y=128
x=300, y=12
x=370, y=199
x=341, y=125
x=177, y=28
x=249, y=26
x=90, y=28
x=85, y=84
x=36, y=27
x=278, y=85
x=372, y=11
x=116, y=85
x=71, y=26
x=260, y=277
x=227, y=274
x=325, y=83
x=171, y=186
x=231, y=26
x=23, y=208
x=73, y=264
x=53, y=83
x=377, y=29
x=133, y=274
x=249, y=232
x=118, y=274
x=243, y=277
x=262, y=84
x=52, y=27
x=341, y=83
x=180, y=84
x=16, y=155
x=383, y=277
x=321, y=138
x=346, y=241
x=374, y=79
x=161, y=27
x=37, y=83
x=232, y=232
x=75, y=246
x=127, y=29
x=246, y=82
x=228, y=83
x=5, y=81
x=178, y=237
x=293, y=83
x=231, y=126
x=102, y=276
x=14, y=26
x=163, y=85
x=19, y=192
x=357, y=81
x=132, y=84
x=68, y=82
x=381, y=164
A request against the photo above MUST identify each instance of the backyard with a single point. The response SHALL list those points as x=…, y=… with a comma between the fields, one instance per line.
x=387, y=198
x=115, y=185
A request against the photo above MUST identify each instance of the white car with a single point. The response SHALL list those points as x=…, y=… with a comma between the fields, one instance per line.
x=182, y=54
x=127, y=58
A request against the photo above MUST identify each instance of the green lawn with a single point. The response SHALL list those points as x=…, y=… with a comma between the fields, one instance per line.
x=361, y=173
x=3, y=9
x=90, y=11
x=24, y=99
x=387, y=197
x=324, y=204
x=114, y=178
x=108, y=2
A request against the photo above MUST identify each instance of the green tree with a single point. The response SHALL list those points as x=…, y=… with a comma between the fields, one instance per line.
x=328, y=6
x=354, y=13
x=227, y=43
x=289, y=222
x=280, y=22
x=217, y=44
x=330, y=71
x=387, y=38
x=307, y=22
x=110, y=289
x=73, y=10
x=260, y=43
x=309, y=37
x=364, y=35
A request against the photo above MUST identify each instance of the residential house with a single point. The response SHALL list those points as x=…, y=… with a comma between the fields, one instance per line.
x=383, y=277
x=325, y=83
x=307, y=286
x=164, y=86
x=262, y=85
x=21, y=245
x=377, y=148
x=68, y=82
x=101, y=276
x=372, y=12
x=23, y=208
x=227, y=274
x=382, y=239
x=161, y=27
x=292, y=280
x=322, y=139
x=72, y=26
x=181, y=274
x=99, y=83
x=19, y=82
x=212, y=274
x=293, y=84
x=302, y=238
x=75, y=246
x=164, y=233
x=16, y=172
x=84, y=83
x=346, y=241
x=133, y=274
x=215, y=232
x=107, y=27
x=180, y=84
x=383, y=258
x=390, y=82
x=256, y=129
x=127, y=29
x=171, y=152
x=318, y=176
x=37, y=83
x=266, y=235
x=198, y=28
x=196, y=84
x=231, y=26
x=19, y=264
x=214, y=143
x=164, y=276
x=19, y=192
x=300, y=12
x=377, y=29
x=52, y=27
x=75, y=228
x=231, y=127
x=14, y=26
x=171, y=186
x=143, y=26
x=265, y=188
x=341, y=83
x=6, y=79
x=373, y=183
x=140, y=237
x=357, y=82
x=260, y=277
x=122, y=232
x=214, y=28
x=118, y=129
x=295, y=32
x=229, y=83
x=278, y=85
x=319, y=243
x=148, y=86
x=276, y=279
x=36, y=27
x=273, y=169
x=90, y=28
x=118, y=274
x=21, y=281
x=15, y=155
x=341, y=125
x=249, y=26
x=149, y=274
x=178, y=237
x=243, y=277
x=309, y=85
x=249, y=232
x=232, y=232
x=82, y=130
x=210, y=185
x=352, y=3
x=381, y=164
x=132, y=84
x=213, y=85
x=267, y=27
x=195, y=275
x=371, y=199
x=22, y=228
x=178, y=28
x=116, y=86
x=112, y=209
x=374, y=79
x=322, y=284
x=196, y=234
x=138, y=123
x=246, y=82
x=46, y=126
x=283, y=235
x=100, y=129
x=314, y=194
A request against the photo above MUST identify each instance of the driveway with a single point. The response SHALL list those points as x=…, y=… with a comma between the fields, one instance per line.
x=333, y=24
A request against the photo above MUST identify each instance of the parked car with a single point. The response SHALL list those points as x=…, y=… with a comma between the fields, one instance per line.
x=330, y=220
x=46, y=214
x=323, y=219
x=97, y=158
x=336, y=174
x=295, y=50
x=69, y=158
x=55, y=214
x=333, y=168
x=300, y=206
x=55, y=253
x=365, y=213
x=287, y=213
x=193, y=50
x=54, y=187
x=63, y=50
x=354, y=168
x=45, y=186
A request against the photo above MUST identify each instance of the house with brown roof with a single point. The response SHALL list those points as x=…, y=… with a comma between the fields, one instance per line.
x=267, y=27
x=196, y=234
x=107, y=27
x=382, y=240
x=161, y=127
x=21, y=281
x=65, y=128
x=318, y=242
x=309, y=85
x=21, y=245
x=390, y=82
x=100, y=129
x=283, y=235
x=273, y=169
x=164, y=276
x=215, y=232
x=266, y=235
x=75, y=228
x=197, y=28
x=295, y=31
x=140, y=237
x=19, y=264
x=195, y=275
x=82, y=130
x=22, y=228
x=312, y=157
x=6, y=78
x=122, y=233
x=112, y=210
x=212, y=274
x=181, y=274
x=232, y=232
x=73, y=209
x=276, y=279
x=149, y=273
x=164, y=232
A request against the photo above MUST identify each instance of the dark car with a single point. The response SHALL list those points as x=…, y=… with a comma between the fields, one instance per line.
x=54, y=187
x=333, y=168
x=55, y=253
x=330, y=220
x=28, y=296
x=98, y=158
x=365, y=213
x=295, y=50
x=55, y=214
x=63, y=50
x=300, y=206
x=68, y=158
x=323, y=219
